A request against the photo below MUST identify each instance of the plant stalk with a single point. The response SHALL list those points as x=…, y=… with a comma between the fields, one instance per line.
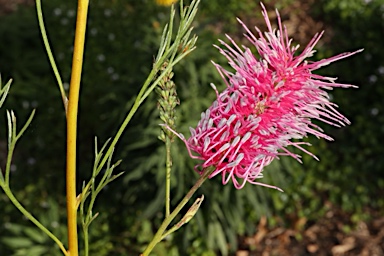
x=73, y=101
x=49, y=53
x=159, y=234
x=86, y=242
x=17, y=204
x=168, y=176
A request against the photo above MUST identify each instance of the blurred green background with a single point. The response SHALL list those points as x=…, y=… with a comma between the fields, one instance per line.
x=122, y=40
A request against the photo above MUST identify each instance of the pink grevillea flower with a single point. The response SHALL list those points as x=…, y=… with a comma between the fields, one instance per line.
x=268, y=105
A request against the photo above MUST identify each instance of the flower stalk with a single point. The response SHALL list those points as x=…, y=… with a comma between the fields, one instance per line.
x=162, y=229
x=166, y=104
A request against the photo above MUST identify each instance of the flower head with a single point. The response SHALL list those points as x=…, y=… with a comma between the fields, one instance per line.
x=165, y=2
x=268, y=105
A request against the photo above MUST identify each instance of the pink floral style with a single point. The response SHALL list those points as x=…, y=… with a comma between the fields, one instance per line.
x=268, y=105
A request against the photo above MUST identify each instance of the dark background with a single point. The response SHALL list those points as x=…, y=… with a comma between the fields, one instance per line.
x=342, y=191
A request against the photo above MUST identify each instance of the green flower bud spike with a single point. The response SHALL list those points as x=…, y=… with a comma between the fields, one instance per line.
x=167, y=103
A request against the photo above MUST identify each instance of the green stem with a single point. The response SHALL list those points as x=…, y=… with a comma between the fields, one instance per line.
x=12, y=143
x=86, y=241
x=50, y=55
x=13, y=137
x=143, y=94
x=158, y=236
x=17, y=204
x=128, y=118
x=168, y=176
x=165, y=71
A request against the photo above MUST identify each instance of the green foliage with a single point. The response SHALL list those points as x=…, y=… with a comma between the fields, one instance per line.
x=4, y=91
x=121, y=45
x=352, y=169
x=24, y=239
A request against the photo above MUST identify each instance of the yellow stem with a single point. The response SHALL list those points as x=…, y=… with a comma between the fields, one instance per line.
x=77, y=63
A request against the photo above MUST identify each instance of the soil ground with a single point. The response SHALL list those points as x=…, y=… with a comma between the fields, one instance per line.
x=331, y=235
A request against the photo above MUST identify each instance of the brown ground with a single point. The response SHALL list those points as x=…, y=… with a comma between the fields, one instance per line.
x=332, y=235
x=8, y=6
